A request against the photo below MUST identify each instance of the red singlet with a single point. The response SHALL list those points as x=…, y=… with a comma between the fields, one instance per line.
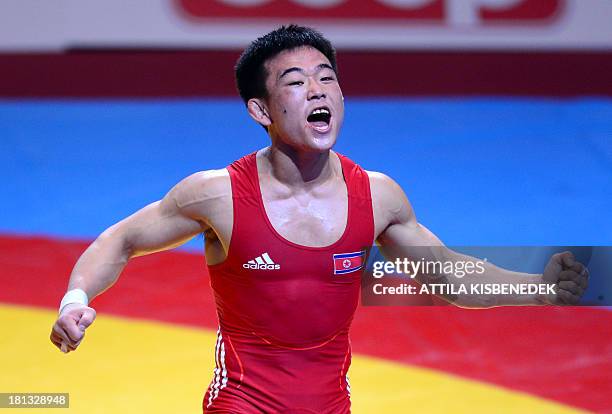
x=285, y=309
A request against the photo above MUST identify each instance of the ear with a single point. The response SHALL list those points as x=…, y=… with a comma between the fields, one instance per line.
x=259, y=112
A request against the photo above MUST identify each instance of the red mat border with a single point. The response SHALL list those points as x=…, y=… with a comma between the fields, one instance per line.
x=562, y=354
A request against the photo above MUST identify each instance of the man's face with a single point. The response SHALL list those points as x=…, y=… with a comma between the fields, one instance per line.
x=304, y=103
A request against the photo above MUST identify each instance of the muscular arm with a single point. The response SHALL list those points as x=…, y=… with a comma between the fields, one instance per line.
x=161, y=225
x=401, y=236
x=188, y=209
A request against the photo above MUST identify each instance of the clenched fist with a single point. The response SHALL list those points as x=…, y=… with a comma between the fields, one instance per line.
x=69, y=328
x=570, y=277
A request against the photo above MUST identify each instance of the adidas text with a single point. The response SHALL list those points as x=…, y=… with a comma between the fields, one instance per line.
x=263, y=262
x=261, y=266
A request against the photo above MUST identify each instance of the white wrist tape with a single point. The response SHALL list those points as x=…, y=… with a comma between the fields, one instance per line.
x=74, y=296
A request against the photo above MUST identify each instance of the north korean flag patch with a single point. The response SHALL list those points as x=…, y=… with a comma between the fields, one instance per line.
x=348, y=262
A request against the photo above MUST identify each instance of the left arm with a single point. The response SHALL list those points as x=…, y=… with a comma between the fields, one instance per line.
x=401, y=236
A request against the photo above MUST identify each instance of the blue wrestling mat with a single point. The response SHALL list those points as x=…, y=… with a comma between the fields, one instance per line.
x=477, y=171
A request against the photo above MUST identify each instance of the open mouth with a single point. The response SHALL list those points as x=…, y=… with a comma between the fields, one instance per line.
x=320, y=119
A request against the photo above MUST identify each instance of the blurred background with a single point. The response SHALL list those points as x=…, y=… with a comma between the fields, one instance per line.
x=495, y=116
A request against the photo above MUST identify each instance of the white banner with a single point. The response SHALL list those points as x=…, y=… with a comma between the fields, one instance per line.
x=53, y=25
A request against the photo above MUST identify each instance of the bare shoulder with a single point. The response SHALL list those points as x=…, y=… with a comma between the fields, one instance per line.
x=384, y=189
x=201, y=192
x=389, y=203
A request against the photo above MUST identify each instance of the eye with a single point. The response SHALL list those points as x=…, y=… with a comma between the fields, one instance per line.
x=327, y=78
x=297, y=83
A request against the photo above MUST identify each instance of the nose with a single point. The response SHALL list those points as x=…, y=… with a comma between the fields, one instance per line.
x=315, y=90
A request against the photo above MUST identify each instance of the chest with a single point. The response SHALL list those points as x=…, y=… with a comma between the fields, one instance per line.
x=309, y=219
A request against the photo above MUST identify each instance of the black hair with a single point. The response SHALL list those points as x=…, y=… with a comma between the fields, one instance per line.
x=250, y=71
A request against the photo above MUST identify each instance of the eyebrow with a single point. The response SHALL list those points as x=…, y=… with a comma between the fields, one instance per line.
x=296, y=69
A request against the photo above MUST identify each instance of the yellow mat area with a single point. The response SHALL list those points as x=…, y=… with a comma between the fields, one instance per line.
x=135, y=366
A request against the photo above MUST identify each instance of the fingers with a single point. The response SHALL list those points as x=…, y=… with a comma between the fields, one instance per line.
x=570, y=286
x=565, y=297
x=557, y=263
x=566, y=259
x=59, y=332
x=69, y=329
x=58, y=337
x=578, y=274
x=87, y=318
x=570, y=275
x=57, y=341
x=570, y=263
x=573, y=279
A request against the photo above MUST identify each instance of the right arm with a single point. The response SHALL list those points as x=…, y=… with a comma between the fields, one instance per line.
x=162, y=225
x=159, y=226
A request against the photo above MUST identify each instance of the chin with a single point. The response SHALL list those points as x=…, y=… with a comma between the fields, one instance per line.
x=321, y=142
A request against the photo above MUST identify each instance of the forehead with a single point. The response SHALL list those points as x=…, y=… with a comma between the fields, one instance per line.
x=305, y=57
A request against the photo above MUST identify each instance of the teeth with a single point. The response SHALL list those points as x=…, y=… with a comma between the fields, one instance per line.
x=320, y=111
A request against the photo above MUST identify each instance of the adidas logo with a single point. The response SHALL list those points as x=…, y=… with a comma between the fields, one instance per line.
x=263, y=262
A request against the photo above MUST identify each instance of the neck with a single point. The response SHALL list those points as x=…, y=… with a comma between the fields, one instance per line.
x=297, y=168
